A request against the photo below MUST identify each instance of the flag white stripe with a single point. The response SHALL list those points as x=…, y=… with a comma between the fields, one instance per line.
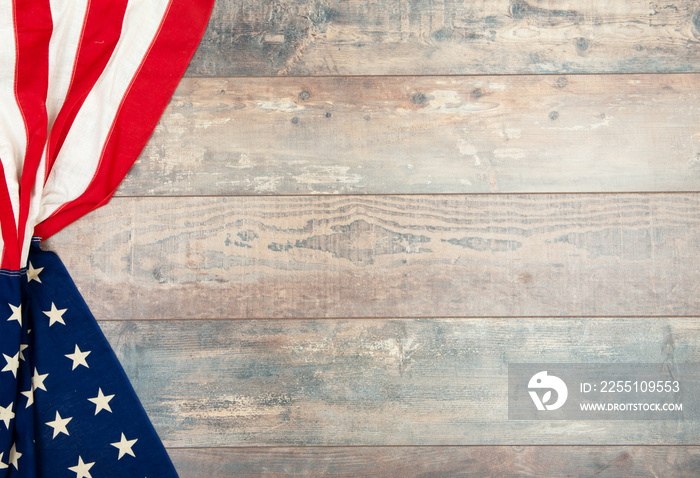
x=13, y=135
x=68, y=20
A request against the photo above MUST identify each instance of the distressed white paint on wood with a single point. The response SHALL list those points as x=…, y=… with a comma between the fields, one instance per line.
x=425, y=135
x=402, y=462
x=384, y=256
x=382, y=382
x=427, y=37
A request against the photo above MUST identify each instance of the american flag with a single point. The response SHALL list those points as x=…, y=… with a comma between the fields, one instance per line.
x=82, y=85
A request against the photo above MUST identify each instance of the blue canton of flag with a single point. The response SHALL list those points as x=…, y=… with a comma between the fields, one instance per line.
x=66, y=407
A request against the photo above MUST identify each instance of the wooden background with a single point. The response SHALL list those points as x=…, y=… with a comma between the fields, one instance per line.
x=355, y=213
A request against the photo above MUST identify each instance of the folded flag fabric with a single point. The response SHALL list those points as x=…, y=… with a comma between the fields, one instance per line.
x=82, y=86
x=66, y=406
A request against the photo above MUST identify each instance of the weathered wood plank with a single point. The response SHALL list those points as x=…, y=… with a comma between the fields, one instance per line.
x=388, y=256
x=381, y=382
x=425, y=135
x=398, y=37
x=438, y=462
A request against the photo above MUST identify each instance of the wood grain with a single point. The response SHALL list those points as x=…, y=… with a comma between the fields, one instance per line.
x=596, y=133
x=382, y=382
x=440, y=462
x=367, y=320
x=447, y=37
x=388, y=256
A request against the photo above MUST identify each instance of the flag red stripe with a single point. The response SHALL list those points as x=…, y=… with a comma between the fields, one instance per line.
x=141, y=107
x=33, y=26
x=101, y=30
